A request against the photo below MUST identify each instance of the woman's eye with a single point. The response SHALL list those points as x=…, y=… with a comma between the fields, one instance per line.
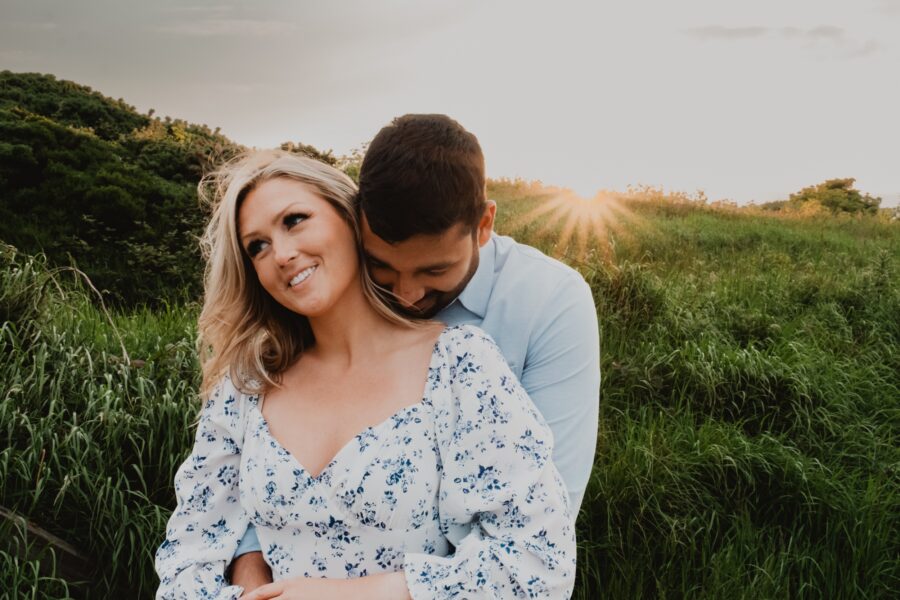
x=255, y=247
x=294, y=219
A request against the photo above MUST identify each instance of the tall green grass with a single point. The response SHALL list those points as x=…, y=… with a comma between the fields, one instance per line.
x=750, y=411
x=94, y=438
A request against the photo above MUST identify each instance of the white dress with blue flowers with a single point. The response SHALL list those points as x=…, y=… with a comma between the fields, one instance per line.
x=458, y=491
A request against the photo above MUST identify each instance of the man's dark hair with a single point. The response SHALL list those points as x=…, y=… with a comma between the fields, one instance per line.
x=422, y=174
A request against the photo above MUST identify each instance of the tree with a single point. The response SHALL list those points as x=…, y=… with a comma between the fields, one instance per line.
x=86, y=178
x=837, y=195
x=310, y=151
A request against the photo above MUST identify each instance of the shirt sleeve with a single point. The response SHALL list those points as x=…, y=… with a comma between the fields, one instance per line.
x=249, y=543
x=501, y=501
x=561, y=374
x=204, y=530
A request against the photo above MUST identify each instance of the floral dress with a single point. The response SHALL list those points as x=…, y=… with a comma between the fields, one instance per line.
x=458, y=491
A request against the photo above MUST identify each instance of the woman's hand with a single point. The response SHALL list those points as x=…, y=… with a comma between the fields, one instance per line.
x=386, y=586
x=299, y=588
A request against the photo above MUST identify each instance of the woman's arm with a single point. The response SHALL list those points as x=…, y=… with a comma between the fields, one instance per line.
x=204, y=529
x=502, y=501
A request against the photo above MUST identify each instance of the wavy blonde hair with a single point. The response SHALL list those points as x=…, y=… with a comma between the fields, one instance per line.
x=243, y=332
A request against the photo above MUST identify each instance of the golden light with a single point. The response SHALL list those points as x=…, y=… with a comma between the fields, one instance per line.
x=586, y=227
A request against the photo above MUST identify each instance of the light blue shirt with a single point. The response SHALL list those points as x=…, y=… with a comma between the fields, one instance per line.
x=541, y=313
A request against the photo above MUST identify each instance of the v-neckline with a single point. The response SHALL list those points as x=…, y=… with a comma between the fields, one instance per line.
x=371, y=428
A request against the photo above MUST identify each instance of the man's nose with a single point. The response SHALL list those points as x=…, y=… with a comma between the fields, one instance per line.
x=408, y=290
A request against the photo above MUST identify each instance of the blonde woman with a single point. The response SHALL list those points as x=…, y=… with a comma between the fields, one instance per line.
x=377, y=457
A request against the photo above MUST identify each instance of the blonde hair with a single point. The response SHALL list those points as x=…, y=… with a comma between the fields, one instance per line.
x=243, y=332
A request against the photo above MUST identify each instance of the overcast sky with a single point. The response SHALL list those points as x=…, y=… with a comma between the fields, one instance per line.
x=745, y=100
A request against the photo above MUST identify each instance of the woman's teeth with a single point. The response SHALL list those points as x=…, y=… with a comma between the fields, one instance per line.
x=302, y=276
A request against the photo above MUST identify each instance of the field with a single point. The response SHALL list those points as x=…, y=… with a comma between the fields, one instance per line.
x=749, y=439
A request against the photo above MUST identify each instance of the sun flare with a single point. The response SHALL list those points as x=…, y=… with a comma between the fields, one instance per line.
x=583, y=228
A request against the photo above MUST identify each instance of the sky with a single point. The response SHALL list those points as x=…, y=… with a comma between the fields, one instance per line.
x=747, y=101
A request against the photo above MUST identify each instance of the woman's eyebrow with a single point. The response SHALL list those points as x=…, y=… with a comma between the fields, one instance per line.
x=274, y=222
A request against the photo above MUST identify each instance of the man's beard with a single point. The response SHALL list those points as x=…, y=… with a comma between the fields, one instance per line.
x=434, y=301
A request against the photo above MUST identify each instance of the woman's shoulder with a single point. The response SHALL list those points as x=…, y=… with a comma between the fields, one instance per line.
x=231, y=384
x=229, y=398
x=441, y=337
x=481, y=395
x=469, y=340
x=470, y=358
x=465, y=334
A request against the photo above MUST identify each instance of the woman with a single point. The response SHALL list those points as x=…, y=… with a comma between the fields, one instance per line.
x=317, y=429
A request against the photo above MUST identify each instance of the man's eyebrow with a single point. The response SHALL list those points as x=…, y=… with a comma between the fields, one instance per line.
x=371, y=258
x=433, y=267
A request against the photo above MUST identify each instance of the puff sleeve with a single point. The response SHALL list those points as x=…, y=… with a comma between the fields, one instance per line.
x=203, y=532
x=502, y=502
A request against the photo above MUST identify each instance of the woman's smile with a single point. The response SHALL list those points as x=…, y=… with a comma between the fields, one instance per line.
x=290, y=233
x=302, y=276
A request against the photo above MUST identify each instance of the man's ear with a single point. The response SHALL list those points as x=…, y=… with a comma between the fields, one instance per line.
x=486, y=224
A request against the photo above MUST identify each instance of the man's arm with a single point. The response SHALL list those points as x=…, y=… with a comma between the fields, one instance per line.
x=562, y=375
x=248, y=569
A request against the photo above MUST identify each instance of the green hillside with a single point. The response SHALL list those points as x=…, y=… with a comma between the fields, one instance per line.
x=90, y=182
x=750, y=402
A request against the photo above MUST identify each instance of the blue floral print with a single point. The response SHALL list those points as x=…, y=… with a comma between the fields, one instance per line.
x=458, y=491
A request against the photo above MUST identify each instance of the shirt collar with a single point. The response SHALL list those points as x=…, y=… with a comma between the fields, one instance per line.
x=477, y=292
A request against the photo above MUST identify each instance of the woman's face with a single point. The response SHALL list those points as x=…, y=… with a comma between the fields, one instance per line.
x=303, y=252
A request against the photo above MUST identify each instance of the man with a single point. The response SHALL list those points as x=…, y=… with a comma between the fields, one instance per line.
x=429, y=241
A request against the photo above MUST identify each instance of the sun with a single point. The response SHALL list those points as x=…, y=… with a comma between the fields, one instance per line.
x=586, y=226
x=583, y=190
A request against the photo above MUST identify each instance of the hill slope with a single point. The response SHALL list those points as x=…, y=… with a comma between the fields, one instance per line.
x=749, y=403
x=748, y=424
x=85, y=178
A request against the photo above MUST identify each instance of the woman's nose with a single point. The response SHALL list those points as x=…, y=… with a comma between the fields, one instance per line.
x=284, y=253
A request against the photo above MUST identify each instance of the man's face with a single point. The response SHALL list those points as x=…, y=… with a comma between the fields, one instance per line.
x=425, y=273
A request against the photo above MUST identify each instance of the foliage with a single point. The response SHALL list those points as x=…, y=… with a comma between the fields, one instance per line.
x=749, y=410
x=509, y=188
x=837, y=196
x=88, y=181
x=77, y=198
x=748, y=416
x=351, y=163
x=69, y=104
x=310, y=151
x=96, y=412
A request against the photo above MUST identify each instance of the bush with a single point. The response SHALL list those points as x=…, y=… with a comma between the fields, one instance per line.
x=837, y=195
